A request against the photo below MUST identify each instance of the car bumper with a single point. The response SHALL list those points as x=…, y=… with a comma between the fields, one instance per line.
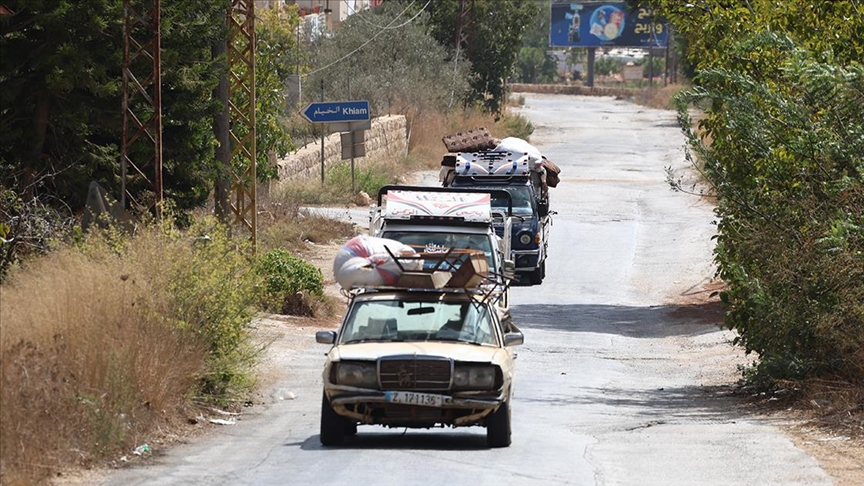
x=526, y=260
x=371, y=407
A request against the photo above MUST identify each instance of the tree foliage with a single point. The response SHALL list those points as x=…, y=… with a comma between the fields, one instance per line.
x=389, y=59
x=276, y=58
x=60, y=89
x=782, y=145
x=534, y=64
x=59, y=96
x=495, y=29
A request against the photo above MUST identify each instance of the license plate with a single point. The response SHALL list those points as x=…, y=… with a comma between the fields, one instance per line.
x=411, y=398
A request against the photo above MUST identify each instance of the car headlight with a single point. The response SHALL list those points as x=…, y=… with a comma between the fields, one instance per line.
x=525, y=238
x=359, y=374
x=475, y=377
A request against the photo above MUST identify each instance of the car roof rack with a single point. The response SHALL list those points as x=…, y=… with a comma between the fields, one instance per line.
x=499, y=193
x=453, y=271
x=493, y=179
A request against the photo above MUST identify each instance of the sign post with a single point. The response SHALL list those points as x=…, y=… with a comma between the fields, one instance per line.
x=337, y=111
x=342, y=116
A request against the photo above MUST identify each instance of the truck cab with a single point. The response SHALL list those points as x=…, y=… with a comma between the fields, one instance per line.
x=531, y=222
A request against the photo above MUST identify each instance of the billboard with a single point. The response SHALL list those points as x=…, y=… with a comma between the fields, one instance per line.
x=604, y=24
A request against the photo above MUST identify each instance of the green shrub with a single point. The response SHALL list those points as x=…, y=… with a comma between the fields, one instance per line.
x=289, y=283
x=367, y=179
x=785, y=162
x=211, y=291
x=105, y=342
x=516, y=125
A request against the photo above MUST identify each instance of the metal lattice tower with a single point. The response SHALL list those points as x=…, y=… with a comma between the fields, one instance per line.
x=241, y=107
x=464, y=24
x=141, y=144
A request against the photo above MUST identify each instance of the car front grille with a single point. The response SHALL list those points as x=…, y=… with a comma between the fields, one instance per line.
x=410, y=412
x=415, y=373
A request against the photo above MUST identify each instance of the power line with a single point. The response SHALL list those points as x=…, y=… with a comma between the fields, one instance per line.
x=387, y=27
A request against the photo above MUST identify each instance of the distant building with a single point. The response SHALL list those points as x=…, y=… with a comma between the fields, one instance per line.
x=328, y=14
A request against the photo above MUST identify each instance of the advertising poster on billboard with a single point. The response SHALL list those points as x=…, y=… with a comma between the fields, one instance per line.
x=606, y=24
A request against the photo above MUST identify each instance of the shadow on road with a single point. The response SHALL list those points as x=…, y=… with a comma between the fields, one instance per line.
x=690, y=404
x=412, y=440
x=638, y=322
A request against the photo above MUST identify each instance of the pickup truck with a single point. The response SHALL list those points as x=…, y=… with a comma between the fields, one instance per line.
x=531, y=218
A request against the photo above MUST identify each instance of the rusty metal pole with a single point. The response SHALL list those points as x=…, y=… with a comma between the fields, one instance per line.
x=124, y=148
x=242, y=99
x=142, y=100
x=157, y=106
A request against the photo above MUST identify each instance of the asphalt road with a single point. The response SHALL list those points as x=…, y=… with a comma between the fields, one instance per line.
x=616, y=383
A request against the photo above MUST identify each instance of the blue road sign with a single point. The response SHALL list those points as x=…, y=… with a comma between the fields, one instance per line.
x=336, y=111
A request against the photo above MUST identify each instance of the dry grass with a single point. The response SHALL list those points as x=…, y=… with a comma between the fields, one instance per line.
x=282, y=224
x=88, y=366
x=660, y=98
x=369, y=177
x=427, y=129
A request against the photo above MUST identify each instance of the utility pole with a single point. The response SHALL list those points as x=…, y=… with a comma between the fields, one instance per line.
x=323, y=132
x=140, y=169
x=221, y=131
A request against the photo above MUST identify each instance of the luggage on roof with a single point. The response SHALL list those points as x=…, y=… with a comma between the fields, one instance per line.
x=473, y=140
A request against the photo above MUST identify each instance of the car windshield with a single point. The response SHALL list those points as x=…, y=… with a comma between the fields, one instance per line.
x=429, y=242
x=417, y=320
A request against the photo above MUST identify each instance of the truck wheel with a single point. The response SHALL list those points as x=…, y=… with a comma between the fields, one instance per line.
x=498, y=427
x=333, y=425
x=536, y=276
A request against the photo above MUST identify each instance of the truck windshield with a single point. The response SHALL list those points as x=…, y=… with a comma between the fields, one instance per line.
x=522, y=197
x=429, y=242
x=417, y=320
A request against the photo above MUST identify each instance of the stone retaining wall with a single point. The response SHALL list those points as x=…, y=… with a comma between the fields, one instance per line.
x=571, y=89
x=386, y=140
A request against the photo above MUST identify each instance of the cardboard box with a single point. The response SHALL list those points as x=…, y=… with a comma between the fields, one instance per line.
x=472, y=272
x=423, y=280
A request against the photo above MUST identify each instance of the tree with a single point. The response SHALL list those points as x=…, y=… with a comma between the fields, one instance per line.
x=59, y=97
x=781, y=145
x=60, y=88
x=389, y=59
x=275, y=61
x=534, y=63
x=536, y=66
x=496, y=28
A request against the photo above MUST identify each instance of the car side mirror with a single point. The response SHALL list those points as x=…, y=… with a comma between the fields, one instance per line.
x=543, y=208
x=509, y=269
x=513, y=339
x=325, y=337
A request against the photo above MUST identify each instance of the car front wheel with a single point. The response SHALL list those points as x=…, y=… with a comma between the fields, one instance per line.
x=333, y=425
x=498, y=427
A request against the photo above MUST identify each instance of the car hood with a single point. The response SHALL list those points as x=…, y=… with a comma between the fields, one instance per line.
x=455, y=351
